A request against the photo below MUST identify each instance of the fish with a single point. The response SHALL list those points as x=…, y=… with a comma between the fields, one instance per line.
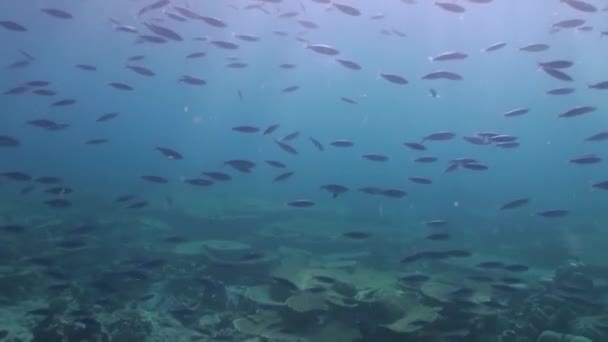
x=59, y=203
x=196, y=55
x=169, y=153
x=346, y=9
x=199, y=182
x=357, y=235
x=286, y=147
x=8, y=141
x=556, y=64
x=375, y=157
x=86, y=67
x=577, y=111
x=246, y=129
x=60, y=190
x=155, y=179
x=341, y=143
x=247, y=37
x=334, y=189
x=291, y=136
x=283, y=176
x=558, y=74
x=569, y=23
x=107, y=117
x=349, y=64
x=12, y=26
x=495, y=47
x=553, y=213
x=138, y=205
x=449, y=56
x=535, y=47
x=226, y=45
x=586, y=159
x=57, y=13
x=603, y=85
x=439, y=136
x=141, y=70
x=580, y=5
x=427, y=159
x=120, y=86
x=241, y=165
x=514, y=204
x=420, y=180
x=450, y=7
x=97, y=141
x=560, y=91
x=438, y=237
x=63, y=103
x=276, y=164
x=415, y=146
x=603, y=185
x=301, y=203
x=270, y=129
x=317, y=144
x=393, y=193
x=517, y=112
x=394, y=78
x=192, y=80
x=153, y=6
x=218, y=176
x=323, y=49
x=290, y=89
x=163, y=32
x=600, y=136
x=443, y=75
x=211, y=21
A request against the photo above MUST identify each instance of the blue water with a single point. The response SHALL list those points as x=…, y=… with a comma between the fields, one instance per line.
x=197, y=120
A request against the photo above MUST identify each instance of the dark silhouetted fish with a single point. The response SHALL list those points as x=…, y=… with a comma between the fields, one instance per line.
x=438, y=237
x=291, y=136
x=12, y=26
x=346, y=9
x=393, y=193
x=425, y=160
x=199, y=182
x=420, y=180
x=394, y=78
x=86, y=67
x=241, y=165
x=283, y=176
x=601, y=136
x=341, y=143
x=308, y=24
x=495, y=47
x=246, y=129
x=98, y=141
x=323, y=49
x=415, y=146
x=357, y=235
x=13, y=228
x=276, y=164
x=141, y=70
x=153, y=6
x=375, y=157
x=556, y=64
x=586, y=159
x=196, y=55
x=443, y=75
x=57, y=13
x=560, y=91
x=290, y=89
x=63, y=103
x=247, y=37
x=450, y=7
x=192, y=80
x=580, y=5
x=58, y=203
x=536, y=47
x=120, y=86
x=518, y=203
x=17, y=176
x=211, y=21
x=155, y=179
x=163, y=32
x=7, y=141
x=603, y=85
x=449, y=56
x=218, y=176
x=553, y=213
x=516, y=268
x=169, y=153
x=225, y=44
x=16, y=91
x=349, y=64
x=317, y=144
x=577, y=111
x=270, y=129
x=286, y=147
x=138, y=205
x=517, y=112
x=603, y=185
x=107, y=117
x=558, y=74
x=334, y=189
x=302, y=203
